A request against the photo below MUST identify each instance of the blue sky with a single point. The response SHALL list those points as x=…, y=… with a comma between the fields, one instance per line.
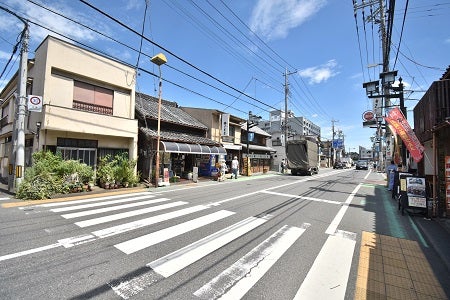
x=232, y=55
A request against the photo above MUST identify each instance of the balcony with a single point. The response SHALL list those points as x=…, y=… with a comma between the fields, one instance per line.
x=92, y=108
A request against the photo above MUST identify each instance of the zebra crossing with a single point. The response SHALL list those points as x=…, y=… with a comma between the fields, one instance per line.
x=233, y=282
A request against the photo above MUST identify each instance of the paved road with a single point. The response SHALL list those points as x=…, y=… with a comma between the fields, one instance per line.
x=336, y=235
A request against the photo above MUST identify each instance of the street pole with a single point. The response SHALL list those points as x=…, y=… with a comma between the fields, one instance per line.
x=21, y=110
x=286, y=92
x=159, y=60
x=158, y=137
x=405, y=113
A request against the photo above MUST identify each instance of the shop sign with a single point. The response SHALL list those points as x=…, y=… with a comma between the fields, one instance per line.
x=252, y=155
x=368, y=115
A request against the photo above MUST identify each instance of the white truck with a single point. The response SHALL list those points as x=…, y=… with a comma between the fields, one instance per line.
x=303, y=156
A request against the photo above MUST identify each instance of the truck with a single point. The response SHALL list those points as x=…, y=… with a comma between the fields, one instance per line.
x=303, y=156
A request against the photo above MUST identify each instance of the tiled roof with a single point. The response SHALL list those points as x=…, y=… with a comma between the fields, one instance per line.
x=179, y=137
x=147, y=106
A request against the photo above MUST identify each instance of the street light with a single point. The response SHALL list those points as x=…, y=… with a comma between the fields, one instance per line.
x=158, y=59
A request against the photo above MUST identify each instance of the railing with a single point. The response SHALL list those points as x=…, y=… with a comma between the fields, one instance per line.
x=92, y=108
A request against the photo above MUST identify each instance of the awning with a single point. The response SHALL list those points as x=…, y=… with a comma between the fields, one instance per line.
x=259, y=148
x=190, y=148
x=232, y=147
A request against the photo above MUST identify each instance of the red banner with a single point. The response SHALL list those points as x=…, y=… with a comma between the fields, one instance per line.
x=398, y=122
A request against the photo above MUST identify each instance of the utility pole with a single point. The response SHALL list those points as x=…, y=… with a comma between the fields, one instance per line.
x=286, y=94
x=379, y=17
x=21, y=108
x=332, y=141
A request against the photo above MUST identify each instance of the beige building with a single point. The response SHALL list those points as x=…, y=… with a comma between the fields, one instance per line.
x=88, y=106
x=222, y=127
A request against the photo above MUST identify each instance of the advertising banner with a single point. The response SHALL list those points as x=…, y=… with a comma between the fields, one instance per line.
x=397, y=120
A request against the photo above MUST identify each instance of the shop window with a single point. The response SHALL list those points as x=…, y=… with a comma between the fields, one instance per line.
x=92, y=98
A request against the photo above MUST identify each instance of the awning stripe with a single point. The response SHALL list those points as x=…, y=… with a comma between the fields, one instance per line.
x=174, y=147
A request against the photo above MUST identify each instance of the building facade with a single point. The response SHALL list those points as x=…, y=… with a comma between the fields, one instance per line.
x=184, y=142
x=87, y=106
x=432, y=128
x=296, y=127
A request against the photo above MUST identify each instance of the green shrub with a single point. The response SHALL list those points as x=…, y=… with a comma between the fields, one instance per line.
x=41, y=181
x=50, y=175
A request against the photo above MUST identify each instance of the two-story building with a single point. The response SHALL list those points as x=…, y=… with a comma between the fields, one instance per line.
x=88, y=106
x=185, y=142
x=223, y=128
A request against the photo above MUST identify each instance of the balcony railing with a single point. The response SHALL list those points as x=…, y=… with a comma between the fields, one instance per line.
x=92, y=108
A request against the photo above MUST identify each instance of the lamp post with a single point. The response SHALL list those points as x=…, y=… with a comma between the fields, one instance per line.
x=159, y=60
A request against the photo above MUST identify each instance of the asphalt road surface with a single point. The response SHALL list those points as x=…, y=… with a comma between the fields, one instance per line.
x=271, y=237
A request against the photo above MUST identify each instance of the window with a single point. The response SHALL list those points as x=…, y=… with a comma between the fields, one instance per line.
x=4, y=119
x=92, y=98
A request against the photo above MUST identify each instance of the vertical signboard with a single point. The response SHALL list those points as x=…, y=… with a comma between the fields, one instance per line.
x=225, y=124
x=415, y=189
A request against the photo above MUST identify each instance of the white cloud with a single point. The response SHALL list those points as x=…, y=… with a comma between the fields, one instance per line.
x=320, y=73
x=272, y=19
x=52, y=21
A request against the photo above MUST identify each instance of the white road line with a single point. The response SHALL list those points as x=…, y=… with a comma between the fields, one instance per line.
x=111, y=208
x=148, y=221
x=178, y=260
x=238, y=279
x=95, y=199
x=104, y=203
x=154, y=238
x=30, y=251
x=128, y=287
x=127, y=214
x=338, y=218
x=302, y=197
x=277, y=187
x=76, y=240
x=328, y=276
x=4, y=199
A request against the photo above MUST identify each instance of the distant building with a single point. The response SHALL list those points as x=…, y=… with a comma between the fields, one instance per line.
x=297, y=126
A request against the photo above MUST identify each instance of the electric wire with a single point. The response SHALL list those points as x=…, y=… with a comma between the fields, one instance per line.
x=173, y=54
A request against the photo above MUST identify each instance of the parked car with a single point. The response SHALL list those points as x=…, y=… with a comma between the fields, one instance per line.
x=338, y=165
x=362, y=165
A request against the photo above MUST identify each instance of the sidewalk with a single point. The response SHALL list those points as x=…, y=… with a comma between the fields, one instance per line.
x=99, y=192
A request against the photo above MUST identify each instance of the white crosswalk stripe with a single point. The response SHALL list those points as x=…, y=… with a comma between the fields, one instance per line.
x=111, y=208
x=128, y=214
x=232, y=282
x=147, y=221
x=148, y=240
x=98, y=203
x=327, y=278
x=177, y=260
x=237, y=280
x=95, y=199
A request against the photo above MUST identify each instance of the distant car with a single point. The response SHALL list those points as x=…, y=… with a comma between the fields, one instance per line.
x=362, y=165
x=338, y=165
